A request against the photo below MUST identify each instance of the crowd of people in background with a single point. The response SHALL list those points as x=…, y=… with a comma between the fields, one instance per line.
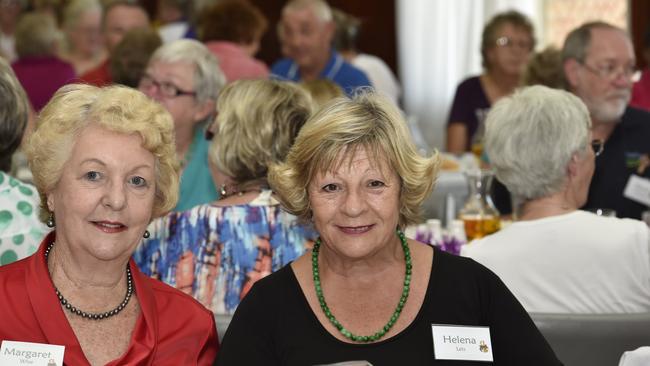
x=160, y=151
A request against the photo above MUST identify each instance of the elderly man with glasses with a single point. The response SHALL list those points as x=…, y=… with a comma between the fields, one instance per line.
x=186, y=79
x=598, y=63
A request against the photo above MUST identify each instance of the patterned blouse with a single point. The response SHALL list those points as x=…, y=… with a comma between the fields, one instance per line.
x=216, y=254
x=20, y=229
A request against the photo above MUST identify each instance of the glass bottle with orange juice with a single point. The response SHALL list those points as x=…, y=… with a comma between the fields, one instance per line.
x=479, y=214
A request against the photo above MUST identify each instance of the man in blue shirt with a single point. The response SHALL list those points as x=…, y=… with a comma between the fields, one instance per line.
x=306, y=30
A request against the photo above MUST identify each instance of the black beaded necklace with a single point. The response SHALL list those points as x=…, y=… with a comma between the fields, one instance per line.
x=95, y=316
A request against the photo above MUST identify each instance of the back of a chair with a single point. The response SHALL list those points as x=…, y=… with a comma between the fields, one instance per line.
x=593, y=339
x=222, y=321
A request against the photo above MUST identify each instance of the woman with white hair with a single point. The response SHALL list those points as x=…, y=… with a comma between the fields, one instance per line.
x=557, y=258
x=186, y=79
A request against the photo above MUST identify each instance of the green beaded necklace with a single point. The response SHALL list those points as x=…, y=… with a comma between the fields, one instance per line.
x=405, y=294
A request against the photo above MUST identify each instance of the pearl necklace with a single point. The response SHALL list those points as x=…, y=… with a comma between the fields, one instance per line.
x=405, y=293
x=95, y=316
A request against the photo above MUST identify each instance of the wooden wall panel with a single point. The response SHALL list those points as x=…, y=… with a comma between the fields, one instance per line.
x=639, y=23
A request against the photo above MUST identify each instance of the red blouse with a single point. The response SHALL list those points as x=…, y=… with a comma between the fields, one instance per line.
x=172, y=328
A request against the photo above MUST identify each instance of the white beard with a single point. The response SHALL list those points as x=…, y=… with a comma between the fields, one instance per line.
x=608, y=110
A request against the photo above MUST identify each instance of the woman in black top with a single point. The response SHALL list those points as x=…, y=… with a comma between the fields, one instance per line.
x=366, y=293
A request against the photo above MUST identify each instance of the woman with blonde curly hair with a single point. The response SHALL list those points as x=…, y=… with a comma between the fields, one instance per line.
x=365, y=292
x=217, y=251
x=104, y=165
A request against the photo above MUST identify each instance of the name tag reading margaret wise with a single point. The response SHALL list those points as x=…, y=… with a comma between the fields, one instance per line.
x=35, y=354
x=459, y=342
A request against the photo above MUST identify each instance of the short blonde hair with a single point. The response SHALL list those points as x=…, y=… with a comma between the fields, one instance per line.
x=367, y=121
x=545, y=68
x=322, y=90
x=258, y=122
x=115, y=108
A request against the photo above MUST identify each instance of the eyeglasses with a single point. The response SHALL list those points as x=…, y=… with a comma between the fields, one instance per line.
x=511, y=43
x=168, y=90
x=212, y=128
x=597, y=146
x=208, y=134
x=610, y=71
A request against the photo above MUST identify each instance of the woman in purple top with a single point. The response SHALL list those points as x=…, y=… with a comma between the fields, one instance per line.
x=507, y=42
x=38, y=69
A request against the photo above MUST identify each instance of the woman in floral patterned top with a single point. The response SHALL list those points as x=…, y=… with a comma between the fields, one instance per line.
x=216, y=252
x=20, y=229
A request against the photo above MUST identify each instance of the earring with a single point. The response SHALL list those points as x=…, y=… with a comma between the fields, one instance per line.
x=146, y=234
x=50, y=220
x=223, y=190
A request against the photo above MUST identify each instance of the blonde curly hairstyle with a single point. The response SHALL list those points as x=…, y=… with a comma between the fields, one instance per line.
x=367, y=121
x=258, y=121
x=115, y=108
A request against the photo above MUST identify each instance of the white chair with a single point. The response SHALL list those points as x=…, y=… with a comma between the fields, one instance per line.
x=638, y=357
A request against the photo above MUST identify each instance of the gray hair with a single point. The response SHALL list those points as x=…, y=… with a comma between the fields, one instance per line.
x=36, y=35
x=577, y=42
x=14, y=113
x=208, y=77
x=320, y=8
x=531, y=136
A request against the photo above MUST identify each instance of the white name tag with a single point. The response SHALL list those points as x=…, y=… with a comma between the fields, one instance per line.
x=459, y=342
x=35, y=354
x=638, y=189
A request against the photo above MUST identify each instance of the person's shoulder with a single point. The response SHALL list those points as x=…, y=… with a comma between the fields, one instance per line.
x=13, y=277
x=466, y=275
x=175, y=224
x=26, y=190
x=458, y=266
x=471, y=82
x=276, y=282
x=272, y=293
x=167, y=297
x=637, y=117
x=607, y=224
x=280, y=68
x=63, y=66
x=367, y=59
x=353, y=75
x=15, y=271
x=476, y=247
x=625, y=230
x=98, y=76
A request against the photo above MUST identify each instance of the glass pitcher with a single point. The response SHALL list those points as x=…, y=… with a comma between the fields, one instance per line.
x=479, y=214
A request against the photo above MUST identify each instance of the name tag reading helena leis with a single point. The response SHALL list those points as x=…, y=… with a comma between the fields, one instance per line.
x=35, y=354
x=459, y=342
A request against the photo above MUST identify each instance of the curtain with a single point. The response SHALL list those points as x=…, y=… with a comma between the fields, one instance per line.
x=438, y=47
